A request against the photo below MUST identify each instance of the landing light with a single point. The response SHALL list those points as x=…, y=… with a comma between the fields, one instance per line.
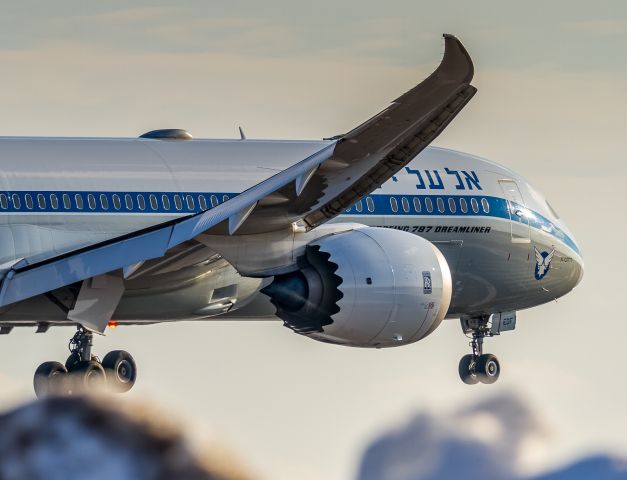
x=112, y=324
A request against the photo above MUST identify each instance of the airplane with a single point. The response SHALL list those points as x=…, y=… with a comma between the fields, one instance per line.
x=366, y=239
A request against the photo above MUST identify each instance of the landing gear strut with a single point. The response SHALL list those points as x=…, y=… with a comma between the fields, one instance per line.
x=83, y=371
x=478, y=366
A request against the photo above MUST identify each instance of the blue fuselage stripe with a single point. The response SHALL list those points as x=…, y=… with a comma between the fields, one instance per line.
x=187, y=203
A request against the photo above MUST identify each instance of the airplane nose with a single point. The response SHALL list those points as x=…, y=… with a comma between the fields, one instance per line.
x=578, y=274
x=575, y=266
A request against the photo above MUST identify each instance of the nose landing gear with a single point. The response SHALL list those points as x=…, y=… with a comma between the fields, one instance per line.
x=83, y=371
x=478, y=366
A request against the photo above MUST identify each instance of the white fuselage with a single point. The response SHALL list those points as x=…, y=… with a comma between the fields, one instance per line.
x=58, y=195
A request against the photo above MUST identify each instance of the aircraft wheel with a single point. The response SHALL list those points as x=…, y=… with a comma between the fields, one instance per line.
x=488, y=368
x=467, y=370
x=121, y=370
x=72, y=361
x=88, y=375
x=49, y=379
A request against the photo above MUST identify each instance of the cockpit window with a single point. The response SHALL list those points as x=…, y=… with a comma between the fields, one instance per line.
x=552, y=210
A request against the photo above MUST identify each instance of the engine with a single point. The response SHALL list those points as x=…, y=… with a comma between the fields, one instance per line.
x=367, y=287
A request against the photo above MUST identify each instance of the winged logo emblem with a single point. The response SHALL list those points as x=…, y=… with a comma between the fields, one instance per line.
x=543, y=262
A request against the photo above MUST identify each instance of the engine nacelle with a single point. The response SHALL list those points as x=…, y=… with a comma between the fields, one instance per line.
x=367, y=287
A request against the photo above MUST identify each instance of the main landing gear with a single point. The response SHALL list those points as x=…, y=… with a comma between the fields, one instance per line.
x=83, y=371
x=478, y=366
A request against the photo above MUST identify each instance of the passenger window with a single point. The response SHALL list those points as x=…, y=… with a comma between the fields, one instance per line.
x=91, y=201
x=117, y=204
x=475, y=205
x=214, y=201
x=463, y=205
x=178, y=202
x=440, y=203
x=78, y=199
x=417, y=205
x=28, y=199
x=54, y=201
x=359, y=207
x=128, y=201
x=15, y=198
x=141, y=202
x=225, y=198
x=394, y=204
x=190, y=202
x=67, y=203
x=429, y=204
x=4, y=201
x=104, y=201
x=370, y=204
x=451, y=205
x=153, y=202
x=41, y=201
x=405, y=204
x=485, y=205
x=166, y=202
x=202, y=201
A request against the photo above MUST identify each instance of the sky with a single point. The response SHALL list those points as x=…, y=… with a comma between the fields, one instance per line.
x=552, y=103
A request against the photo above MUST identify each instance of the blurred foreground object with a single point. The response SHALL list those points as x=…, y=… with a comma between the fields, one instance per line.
x=82, y=438
x=487, y=440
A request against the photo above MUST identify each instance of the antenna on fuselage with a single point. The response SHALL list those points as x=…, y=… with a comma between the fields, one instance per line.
x=242, y=134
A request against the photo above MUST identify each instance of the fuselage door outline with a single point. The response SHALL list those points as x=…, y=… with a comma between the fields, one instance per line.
x=518, y=213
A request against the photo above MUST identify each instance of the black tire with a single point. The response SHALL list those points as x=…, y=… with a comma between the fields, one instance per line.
x=49, y=379
x=71, y=362
x=488, y=368
x=88, y=375
x=121, y=370
x=465, y=372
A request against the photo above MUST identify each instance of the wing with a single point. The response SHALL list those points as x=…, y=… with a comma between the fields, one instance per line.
x=316, y=189
x=364, y=158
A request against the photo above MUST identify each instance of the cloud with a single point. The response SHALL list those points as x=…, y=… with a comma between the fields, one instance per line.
x=485, y=441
